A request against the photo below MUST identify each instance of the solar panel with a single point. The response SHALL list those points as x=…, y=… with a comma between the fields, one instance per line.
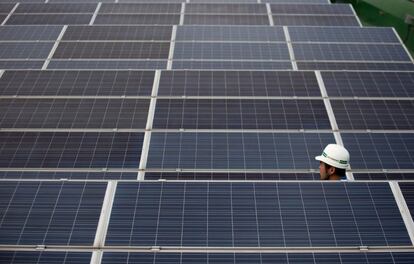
x=224, y=1
x=6, y=7
x=77, y=83
x=237, y=83
x=54, y=213
x=297, y=1
x=58, y=175
x=23, y=33
x=24, y=50
x=383, y=176
x=74, y=113
x=343, y=34
x=373, y=114
x=380, y=150
x=164, y=8
x=231, y=65
x=257, y=258
x=353, y=66
x=21, y=64
x=19, y=257
x=226, y=20
x=407, y=189
x=213, y=176
x=144, y=64
x=350, y=52
x=225, y=9
x=51, y=8
x=337, y=9
x=235, y=150
x=49, y=19
x=240, y=114
x=117, y=33
x=70, y=149
x=315, y=20
x=137, y=19
x=231, y=51
x=118, y=50
x=369, y=84
x=230, y=33
x=255, y=214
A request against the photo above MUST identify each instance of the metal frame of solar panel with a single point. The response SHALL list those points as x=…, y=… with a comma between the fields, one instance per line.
x=131, y=126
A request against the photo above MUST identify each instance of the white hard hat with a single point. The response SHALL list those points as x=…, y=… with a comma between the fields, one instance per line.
x=335, y=155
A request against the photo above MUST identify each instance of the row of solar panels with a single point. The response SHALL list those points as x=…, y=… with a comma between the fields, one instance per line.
x=190, y=214
x=173, y=1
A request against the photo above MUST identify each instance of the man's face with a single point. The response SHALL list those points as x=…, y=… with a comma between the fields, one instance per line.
x=323, y=171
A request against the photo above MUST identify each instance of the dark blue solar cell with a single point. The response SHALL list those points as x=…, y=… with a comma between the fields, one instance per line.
x=21, y=257
x=50, y=213
x=337, y=9
x=369, y=84
x=236, y=150
x=355, y=66
x=257, y=176
x=70, y=150
x=379, y=150
x=255, y=214
x=231, y=65
x=101, y=175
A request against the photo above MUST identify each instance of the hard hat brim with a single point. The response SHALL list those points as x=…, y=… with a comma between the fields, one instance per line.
x=331, y=162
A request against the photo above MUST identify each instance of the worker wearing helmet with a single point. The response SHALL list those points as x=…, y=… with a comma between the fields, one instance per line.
x=333, y=162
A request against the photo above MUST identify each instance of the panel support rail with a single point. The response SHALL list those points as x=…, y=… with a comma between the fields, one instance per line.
x=172, y=47
x=269, y=14
x=10, y=14
x=331, y=116
x=290, y=47
x=148, y=127
x=182, y=14
x=52, y=51
x=104, y=222
x=95, y=13
x=402, y=205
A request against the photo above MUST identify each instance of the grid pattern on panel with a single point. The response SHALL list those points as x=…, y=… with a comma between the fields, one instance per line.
x=77, y=83
x=337, y=9
x=225, y=9
x=144, y=8
x=316, y=20
x=24, y=50
x=70, y=150
x=226, y=20
x=45, y=175
x=373, y=114
x=255, y=214
x=240, y=114
x=255, y=258
x=380, y=150
x=231, y=65
x=49, y=19
x=20, y=257
x=51, y=8
x=74, y=113
x=137, y=19
x=235, y=150
x=110, y=64
x=353, y=66
x=212, y=176
x=238, y=83
x=50, y=213
x=26, y=33
x=384, y=176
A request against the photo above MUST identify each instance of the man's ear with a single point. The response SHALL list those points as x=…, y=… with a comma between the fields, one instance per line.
x=332, y=170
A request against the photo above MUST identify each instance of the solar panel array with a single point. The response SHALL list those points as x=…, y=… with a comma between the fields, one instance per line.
x=185, y=131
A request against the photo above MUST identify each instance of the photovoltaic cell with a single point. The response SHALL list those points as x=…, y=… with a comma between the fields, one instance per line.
x=373, y=114
x=337, y=9
x=369, y=84
x=51, y=8
x=77, y=83
x=146, y=8
x=236, y=150
x=231, y=65
x=74, y=113
x=118, y=33
x=255, y=214
x=315, y=20
x=49, y=19
x=6, y=7
x=58, y=175
x=353, y=66
x=25, y=50
x=257, y=258
x=20, y=257
x=112, y=50
x=228, y=176
x=137, y=19
x=343, y=34
x=229, y=33
x=50, y=213
x=240, y=114
x=70, y=150
x=237, y=83
x=226, y=20
x=143, y=64
x=297, y=1
x=151, y=1
x=231, y=51
x=18, y=33
x=350, y=52
x=407, y=189
x=225, y=1
x=380, y=150
x=383, y=176
x=21, y=64
x=225, y=9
